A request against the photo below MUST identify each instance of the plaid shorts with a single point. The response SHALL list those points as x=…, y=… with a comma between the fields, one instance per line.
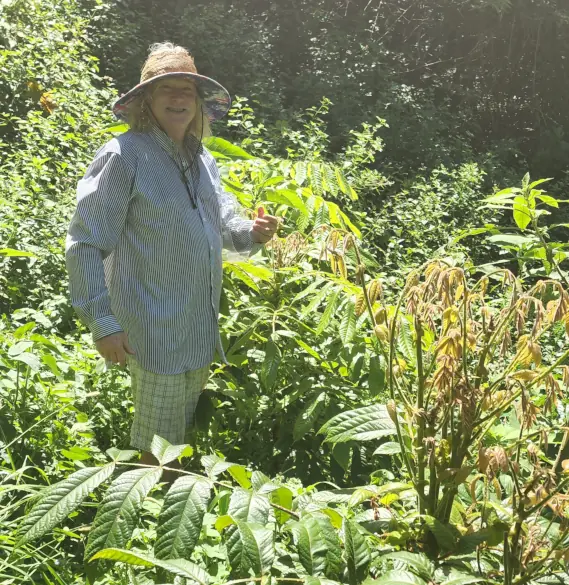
x=164, y=404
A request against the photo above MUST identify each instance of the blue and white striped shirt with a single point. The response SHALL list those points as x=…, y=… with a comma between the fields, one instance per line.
x=142, y=259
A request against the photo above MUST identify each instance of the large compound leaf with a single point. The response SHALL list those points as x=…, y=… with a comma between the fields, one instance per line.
x=60, y=500
x=179, y=567
x=181, y=518
x=118, y=513
x=362, y=424
x=358, y=556
x=318, y=545
x=250, y=547
x=247, y=506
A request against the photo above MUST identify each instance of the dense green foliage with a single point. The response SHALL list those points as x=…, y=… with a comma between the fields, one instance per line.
x=395, y=409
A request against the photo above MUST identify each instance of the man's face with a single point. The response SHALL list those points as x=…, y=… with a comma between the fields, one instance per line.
x=174, y=104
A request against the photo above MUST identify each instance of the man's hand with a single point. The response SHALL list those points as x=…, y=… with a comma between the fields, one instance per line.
x=114, y=348
x=264, y=227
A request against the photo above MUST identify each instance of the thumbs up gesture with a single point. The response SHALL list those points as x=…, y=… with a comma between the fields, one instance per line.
x=264, y=227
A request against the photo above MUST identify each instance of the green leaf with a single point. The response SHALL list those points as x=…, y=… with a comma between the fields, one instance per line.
x=347, y=327
x=181, y=518
x=511, y=240
x=18, y=253
x=503, y=195
x=418, y=562
x=300, y=172
x=236, y=270
x=29, y=359
x=342, y=181
x=259, y=272
x=118, y=128
x=286, y=197
x=406, y=343
x=356, y=550
x=522, y=213
x=308, y=349
x=443, y=534
x=282, y=497
x=215, y=465
x=538, y=182
x=179, y=567
x=345, y=219
x=390, y=448
x=318, y=545
x=270, y=367
x=239, y=474
x=342, y=453
x=307, y=418
x=315, y=174
x=548, y=200
x=330, y=179
x=250, y=548
x=328, y=312
x=164, y=451
x=398, y=578
x=362, y=424
x=59, y=500
x=317, y=299
x=319, y=581
x=248, y=506
x=118, y=513
x=119, y=455
x=457, y=579
x=51, y=363
x=219, y=146
x=19, y=348
x=376, y=379
x=76, y=453
x=261, y=482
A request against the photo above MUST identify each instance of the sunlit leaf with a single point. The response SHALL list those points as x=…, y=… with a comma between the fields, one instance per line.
x=59, y=500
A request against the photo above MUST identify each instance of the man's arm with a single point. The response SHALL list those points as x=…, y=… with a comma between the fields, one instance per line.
x=103, y=197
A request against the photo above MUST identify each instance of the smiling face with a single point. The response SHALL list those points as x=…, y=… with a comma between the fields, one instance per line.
x=174, y=104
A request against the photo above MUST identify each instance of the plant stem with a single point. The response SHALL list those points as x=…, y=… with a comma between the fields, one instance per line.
x=564, y=442
x=420, y=447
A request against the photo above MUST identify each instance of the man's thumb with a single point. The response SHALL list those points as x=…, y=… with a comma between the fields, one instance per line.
x=260, y=212
x=128, y=349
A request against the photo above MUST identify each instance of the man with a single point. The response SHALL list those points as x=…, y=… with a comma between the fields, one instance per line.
x=144, y=245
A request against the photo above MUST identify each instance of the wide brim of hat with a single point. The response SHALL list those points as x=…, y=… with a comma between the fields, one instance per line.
x=215, y=97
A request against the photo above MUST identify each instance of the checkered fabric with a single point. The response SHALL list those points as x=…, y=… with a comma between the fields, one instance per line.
x=164, y=404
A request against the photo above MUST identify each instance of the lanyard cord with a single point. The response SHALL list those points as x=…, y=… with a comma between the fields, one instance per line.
x=182, y=170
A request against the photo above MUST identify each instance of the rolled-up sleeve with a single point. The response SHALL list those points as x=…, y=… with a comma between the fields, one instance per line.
x=103, y=197
x=236, y=229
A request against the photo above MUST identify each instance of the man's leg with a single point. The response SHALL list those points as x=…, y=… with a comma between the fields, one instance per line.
x=159, y=409
x=196, y=381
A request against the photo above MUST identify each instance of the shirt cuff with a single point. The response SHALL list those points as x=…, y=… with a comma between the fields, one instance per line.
x=104, y=326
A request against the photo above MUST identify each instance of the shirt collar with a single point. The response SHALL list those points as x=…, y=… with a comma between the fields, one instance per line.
x=192, y=143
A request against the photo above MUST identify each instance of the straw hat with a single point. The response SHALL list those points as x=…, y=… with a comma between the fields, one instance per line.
x=166, y=60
